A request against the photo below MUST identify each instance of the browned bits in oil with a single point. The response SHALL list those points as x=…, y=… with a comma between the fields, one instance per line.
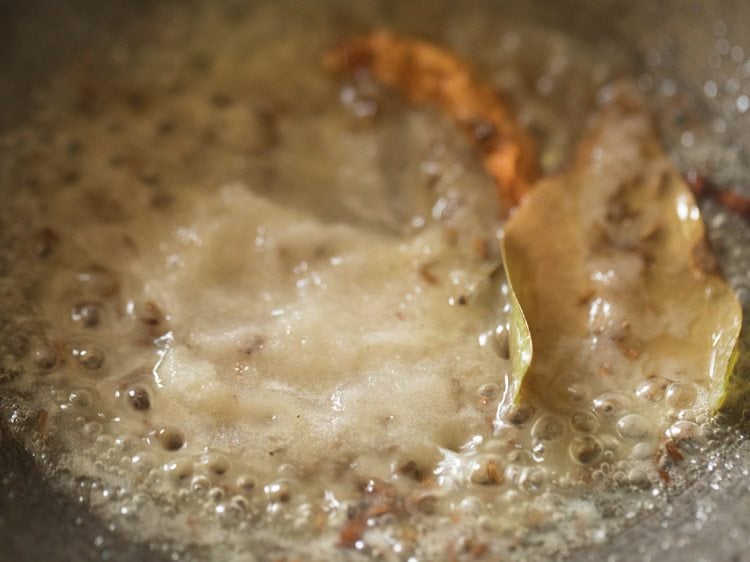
x=488, y=473
x=270, y=135
x=489, y=390
x=162, y=199
x=246, y=483
x=136, y=100
x=584, y=421
x=704, y=188
x=484, y=132
x=279, y=492
x=520, y=415
x=99, y=281
x=673, y=450
x=135, y=377
x=480, y=248
x=44, y=356
x=426, y=503
x=450, y=235
x=18, y=345
x=166, y=126
x=427, y=276
x=80, y=398
x=201, y=61
x=152, y=317
x=170, y=438
x=351, y=532
x=585, y=449
x=664, y=476
x=87, y=313
x=703, y=257
x=652, y=388
x=138, y=398
x=74, y=147
x=44, y=243
x=548, y=427
x=70, y=177
x=216, y=463
x=610, y=405
x=253, y=345
x=104, y=208
x=149, y=176
x=586, y=296
x=116, y=160
x=180, y=469
x=89, y=357
x=410, y=468
x=42, y=424
x=221, y=100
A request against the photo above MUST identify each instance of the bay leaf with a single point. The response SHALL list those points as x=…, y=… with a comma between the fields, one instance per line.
x=612, y=279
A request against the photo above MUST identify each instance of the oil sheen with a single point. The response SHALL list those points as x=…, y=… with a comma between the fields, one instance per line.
x=250, y=308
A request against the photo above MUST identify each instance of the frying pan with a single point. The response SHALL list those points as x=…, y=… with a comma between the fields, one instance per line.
x=697, y=47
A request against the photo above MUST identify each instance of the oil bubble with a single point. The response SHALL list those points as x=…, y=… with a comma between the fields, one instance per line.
x=638, y=478
x=519, y=416
x=584, y=421
x=422, y=502
x=200, y=482
x=87, y=313
x=634, y=426
x=216, y=463
x=585, y=449
x=143, y=462
x=533, y=479
x=471, y=505
x=642, y=451
x=577, y=396
x=80, y=398
x=687, y=435
x=548, y=427
x=610, y=405
x=170, y=438
x=180, y=469
x=240, y=503
x=681, y=394
x=126, y=442
x=138, y=398
x=287, y=470
x=18, y=345
x=44, y=356
x=216, y=494
x=279, y=491
x=487, y=470
x=89, y=357
x=105, y=443
x=99, y=282
x=489, y=390
x=501, y=345
x=246, y=483
x=652, y=389
x=92, y=429
x=520, y=456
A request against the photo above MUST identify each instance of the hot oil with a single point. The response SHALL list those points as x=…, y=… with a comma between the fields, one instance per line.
x=247, y=306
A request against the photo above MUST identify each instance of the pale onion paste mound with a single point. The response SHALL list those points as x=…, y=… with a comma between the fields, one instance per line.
x=251, y=308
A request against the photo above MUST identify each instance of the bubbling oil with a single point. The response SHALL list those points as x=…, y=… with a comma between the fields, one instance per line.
x=248, y=308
